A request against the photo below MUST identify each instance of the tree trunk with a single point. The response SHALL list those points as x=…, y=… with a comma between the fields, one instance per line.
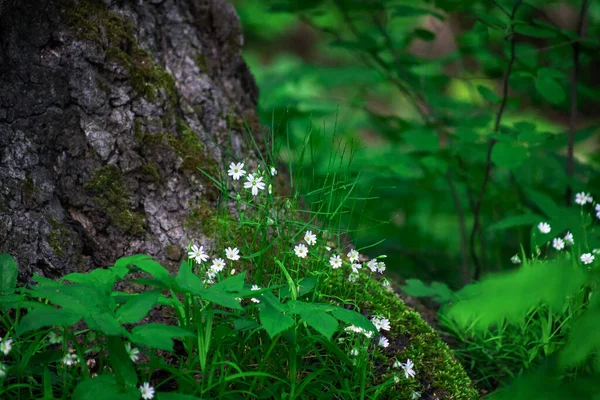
x=107, y=109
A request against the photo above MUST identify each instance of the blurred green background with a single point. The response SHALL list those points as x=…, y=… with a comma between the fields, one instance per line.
x=410, y=91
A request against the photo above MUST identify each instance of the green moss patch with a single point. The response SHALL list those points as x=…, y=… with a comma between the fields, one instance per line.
x=108, y=188
x=61, y=239
x=92, y=21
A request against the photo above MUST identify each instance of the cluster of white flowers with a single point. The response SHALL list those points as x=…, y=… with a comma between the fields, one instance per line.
x=544, y=227
x=254, y=299
x=218, y=265
x=381, y=323
x=70, y=359
x=254, y=181
x=357, y=329
x=515, y=259
x=587, y=258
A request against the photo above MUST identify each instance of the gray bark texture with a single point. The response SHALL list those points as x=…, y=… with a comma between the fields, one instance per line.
x=107, y=109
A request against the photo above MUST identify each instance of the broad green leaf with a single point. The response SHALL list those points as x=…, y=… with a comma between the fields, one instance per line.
x=510, y=296
x=273, y=321
x=129, y=260
x=550, y=90
x=120, y=361
x=153, y=268
x=424, y=34
x=320, y=321
x=175, y=396
x=306, y=285
x=105, y=323
x=353, y=318
x=516, y=220
x=242, y=325
x=79, y=298
x=158, y=336
x=136, y=308
x=534, y=31
x=491, y=21
x=187, y=280
x=439, y=291
x=234, y=283
x=422, y=139
x=104, y=387
x=488, y=94
x=406, y=11
x=545, y=203
x=221, y=298
x=99, y=277
x=8, y=274
x=508, y=156
x=43, y=317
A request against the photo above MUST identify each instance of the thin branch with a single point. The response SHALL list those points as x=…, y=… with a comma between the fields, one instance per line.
x=573, y=111
x=493, y=141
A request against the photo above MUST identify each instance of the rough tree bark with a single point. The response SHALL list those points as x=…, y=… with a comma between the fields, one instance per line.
x=106, y=110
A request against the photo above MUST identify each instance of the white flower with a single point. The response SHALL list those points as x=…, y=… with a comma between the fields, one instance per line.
x=383, y=341
x=147, y=391
x=3, y=370
x=301, y=251
x=589, y=198
x=236, y=171
x=218, y=265
x=597, y=207
x=232, y=254
x=70, y=359
x=54, y=338
x=255, y=287
x=544, y=227
x=580, y=198
x=598, y=215
x=381, y=323
x=335, y=262
x=255, y=183
x=408, y=368
x=133, y=352
x=352, y=278
x=355, y=268
x=569, y=238
x=310, y=238
x=381, y=267
x=372, y=264
x=415, y=395
x=198, y=254
x=353, y=256
x=6, y=346
x=354, y=352
x=587, y=258
x=327, y=248
x=515, y=259
x=558, y=243
x=273, y=171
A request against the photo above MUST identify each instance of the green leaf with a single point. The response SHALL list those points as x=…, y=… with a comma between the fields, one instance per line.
x=534, y=31
x=545, y=203
x=507, y=155
x=439, y=291
x=234, y=283
x=221, y=298
x=550, y=90
x=424, y=34
x=491, y=21
x=306, y=285
x=187, y=280
x=120, y=361
x=320, y=321
x=8, y=274
x=510, y=296
x=353, y=318
x=104, y=387
x=488, y=94
x=175, y=396
x=83, y=299
x=422, y=139
x=102, y=278
x=153, y=268
x=45, y=316
x=274, y=321
x=105, y=323
x=136, y=308
x=404, y=11
x=516, y=220
x=158, y=336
